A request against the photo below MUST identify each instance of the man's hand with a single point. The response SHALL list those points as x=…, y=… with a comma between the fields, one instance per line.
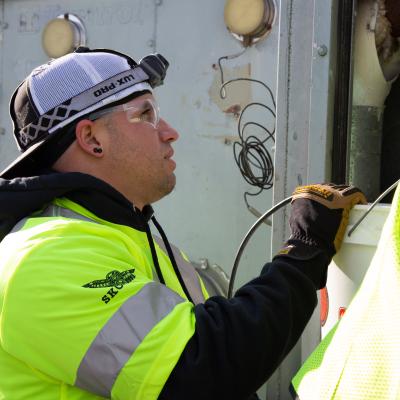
x=318, y=219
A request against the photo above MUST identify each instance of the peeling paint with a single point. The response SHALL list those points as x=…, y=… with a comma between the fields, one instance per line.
x=237, y=93
x=224, y=139
x=234, y=109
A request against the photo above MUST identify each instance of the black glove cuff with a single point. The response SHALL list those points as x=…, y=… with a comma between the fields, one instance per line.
x=313, y=261
x=302, y=250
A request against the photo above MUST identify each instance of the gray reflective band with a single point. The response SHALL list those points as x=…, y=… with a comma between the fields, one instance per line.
x=53, y=210
x=19, y=225
x=188, y=272
x=122, y=334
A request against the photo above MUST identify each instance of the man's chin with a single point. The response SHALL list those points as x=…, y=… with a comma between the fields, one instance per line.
x=168, y=187
x=171, y=184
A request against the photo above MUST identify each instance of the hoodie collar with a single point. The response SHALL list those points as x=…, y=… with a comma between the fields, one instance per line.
x=20, y=197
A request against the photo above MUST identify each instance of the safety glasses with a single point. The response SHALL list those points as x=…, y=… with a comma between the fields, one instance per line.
x=144, y=111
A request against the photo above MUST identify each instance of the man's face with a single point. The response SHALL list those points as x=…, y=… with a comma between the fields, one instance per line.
x=140, y=155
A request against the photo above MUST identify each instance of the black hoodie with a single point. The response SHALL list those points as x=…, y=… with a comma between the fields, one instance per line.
x=238, y=343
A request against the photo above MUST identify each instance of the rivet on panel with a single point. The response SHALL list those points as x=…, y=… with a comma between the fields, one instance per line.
x=322, y=50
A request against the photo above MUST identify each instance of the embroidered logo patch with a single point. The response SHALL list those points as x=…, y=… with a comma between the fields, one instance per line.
x=114, y=279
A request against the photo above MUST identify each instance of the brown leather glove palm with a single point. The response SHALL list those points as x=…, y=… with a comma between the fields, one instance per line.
x=318, y=219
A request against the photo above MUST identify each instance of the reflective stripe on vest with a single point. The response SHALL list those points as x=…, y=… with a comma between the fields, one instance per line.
x=188, y=272
x=101, y=364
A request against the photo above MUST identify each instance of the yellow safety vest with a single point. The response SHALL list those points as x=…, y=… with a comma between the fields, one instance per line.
x=82, y=315
x=360, y=357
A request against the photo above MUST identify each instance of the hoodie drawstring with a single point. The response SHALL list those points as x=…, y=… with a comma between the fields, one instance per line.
x=154, y=255
x=171, y=257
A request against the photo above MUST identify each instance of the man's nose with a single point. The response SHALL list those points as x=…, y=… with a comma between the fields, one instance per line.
x=167, y=132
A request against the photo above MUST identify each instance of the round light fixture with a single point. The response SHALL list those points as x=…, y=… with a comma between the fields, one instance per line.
x=63, y=35
x=249, y=20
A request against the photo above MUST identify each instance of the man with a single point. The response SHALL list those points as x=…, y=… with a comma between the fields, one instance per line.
x=92, y=304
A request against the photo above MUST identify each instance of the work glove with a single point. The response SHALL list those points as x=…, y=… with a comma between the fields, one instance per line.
x=318, y=221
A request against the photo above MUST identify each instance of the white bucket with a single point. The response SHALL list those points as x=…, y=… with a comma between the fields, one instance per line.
x=350, y=264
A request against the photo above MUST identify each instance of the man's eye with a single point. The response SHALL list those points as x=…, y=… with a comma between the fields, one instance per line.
x=146, y=115
x=143, y=116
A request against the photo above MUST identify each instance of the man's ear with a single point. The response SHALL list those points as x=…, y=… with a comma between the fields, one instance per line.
x=87, y=138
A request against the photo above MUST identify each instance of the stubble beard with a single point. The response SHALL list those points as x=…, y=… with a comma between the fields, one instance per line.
x=168, y=186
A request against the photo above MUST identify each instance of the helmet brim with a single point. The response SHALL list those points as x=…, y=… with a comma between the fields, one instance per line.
x=29, y=162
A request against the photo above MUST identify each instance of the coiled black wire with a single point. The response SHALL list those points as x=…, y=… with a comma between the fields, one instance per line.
x=251, y=154
x=253, y=160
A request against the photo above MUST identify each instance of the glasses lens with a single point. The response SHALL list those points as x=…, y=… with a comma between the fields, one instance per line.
x=147, y=111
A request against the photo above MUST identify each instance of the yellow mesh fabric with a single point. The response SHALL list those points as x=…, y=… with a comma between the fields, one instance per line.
x=360, y=358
